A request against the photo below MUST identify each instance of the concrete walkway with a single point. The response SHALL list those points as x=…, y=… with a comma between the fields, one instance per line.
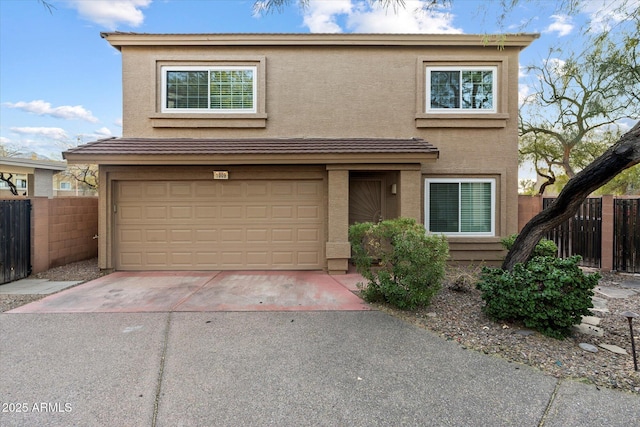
x=35, y=287
x=358, y=368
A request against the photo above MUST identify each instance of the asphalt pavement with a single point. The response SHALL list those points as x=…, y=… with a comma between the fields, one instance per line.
x=327, y=368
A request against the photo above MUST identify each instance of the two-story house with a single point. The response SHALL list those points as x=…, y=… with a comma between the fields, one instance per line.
x=257, y=151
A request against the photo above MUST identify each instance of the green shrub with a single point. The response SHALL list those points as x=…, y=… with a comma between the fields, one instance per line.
x=545, y=247
x=403, y=265
x=547, y=294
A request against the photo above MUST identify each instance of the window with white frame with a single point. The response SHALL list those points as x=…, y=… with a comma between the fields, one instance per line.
x=456, y=89
x=65, y=186
x=460, y=206
x=222, y=89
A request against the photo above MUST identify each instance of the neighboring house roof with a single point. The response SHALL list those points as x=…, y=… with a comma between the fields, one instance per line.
x=16, y=162
x=286, y=150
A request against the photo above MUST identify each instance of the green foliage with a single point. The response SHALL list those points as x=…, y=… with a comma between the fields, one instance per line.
x=403, y=265
x=545, y=247
x=547, y=294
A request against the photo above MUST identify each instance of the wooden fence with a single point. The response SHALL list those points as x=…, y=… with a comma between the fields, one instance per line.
x=605, y=231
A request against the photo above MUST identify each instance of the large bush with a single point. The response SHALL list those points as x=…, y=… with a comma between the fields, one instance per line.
x=403, y=265
x=547, y=294
x=545, y=247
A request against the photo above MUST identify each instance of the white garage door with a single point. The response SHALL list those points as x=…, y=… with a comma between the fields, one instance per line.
x=210, y=225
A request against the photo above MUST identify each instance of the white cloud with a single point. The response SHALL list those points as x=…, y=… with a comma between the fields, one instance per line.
x=57, y=134
x=118, y=122
x=555, y=65
x=111, y=13
x=321, y=15
x=561, y=24
x=606, y=13
x=524, y=93
x=103, y=133
x=43, y=108
x=362, y=17
x=4, y=140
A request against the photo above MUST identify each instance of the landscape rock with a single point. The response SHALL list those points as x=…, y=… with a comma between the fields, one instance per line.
x=591, y=320
x=588, y=347
x=613, y=348
x=610, y=292
x=585, y=328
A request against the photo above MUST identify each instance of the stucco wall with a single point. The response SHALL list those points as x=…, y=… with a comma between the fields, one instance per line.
x=63, y=230
x=332, y=88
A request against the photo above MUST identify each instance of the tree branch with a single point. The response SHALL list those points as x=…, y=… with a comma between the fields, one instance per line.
x=620, y=156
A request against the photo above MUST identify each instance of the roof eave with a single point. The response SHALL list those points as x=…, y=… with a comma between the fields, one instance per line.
x=252, y=159
x=120, y=39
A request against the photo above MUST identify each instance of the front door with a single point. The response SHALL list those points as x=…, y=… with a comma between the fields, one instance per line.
x=366, y=199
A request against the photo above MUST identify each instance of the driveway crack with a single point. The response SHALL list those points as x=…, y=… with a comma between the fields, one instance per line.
x=156, y=403
x=549, y=404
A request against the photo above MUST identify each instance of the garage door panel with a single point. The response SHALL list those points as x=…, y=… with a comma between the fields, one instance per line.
x=282, y=235
x=130, y=236
x=310, y=235
x=219, y=225
x=154, y=212
x=257, y=212
x=257, y=189
x=179, y=189
x=231, y=212
x=308, y=258
x=310, y=188
x=156, y=236
x=282, y=212
x=258, y=235
x=206, y=212
x=232, y=190
x=312, y=212
x=206, y=236
x=154, y=189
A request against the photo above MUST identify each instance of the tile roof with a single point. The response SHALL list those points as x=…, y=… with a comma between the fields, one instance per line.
x=299, y=146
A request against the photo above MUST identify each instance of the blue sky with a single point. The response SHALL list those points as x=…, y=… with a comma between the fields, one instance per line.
x=60, y=82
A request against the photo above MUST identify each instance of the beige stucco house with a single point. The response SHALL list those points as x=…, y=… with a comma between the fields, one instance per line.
x=31, y=177
x=256, y=151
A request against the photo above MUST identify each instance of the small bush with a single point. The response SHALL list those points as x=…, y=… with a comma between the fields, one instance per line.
x=545, y=247
x=547, y=294
x=403, y=265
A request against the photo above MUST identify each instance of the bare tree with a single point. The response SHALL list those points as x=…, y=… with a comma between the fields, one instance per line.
x=7, y=179
x=573, y=114
x=84, y=174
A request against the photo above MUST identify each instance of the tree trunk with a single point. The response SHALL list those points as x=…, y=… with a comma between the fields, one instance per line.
x=620, y=156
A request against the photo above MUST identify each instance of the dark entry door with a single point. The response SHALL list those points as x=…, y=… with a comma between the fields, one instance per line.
x=366, y=199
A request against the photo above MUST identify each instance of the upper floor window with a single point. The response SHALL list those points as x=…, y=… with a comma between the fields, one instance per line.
x=456, y=89
x=220, y=89
x=65, y=186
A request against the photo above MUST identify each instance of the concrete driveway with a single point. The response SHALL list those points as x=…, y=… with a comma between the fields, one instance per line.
x=138, y=292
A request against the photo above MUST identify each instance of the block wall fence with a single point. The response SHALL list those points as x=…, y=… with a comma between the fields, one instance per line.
x=530, y=206
x=63, y=230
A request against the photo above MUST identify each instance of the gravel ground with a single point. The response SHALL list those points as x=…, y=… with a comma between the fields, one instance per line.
x=81, y=270
x=455, y=314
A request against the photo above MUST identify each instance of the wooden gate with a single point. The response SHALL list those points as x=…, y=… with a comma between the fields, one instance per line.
x=15, y=240
x=581, y=234
x=626, y=235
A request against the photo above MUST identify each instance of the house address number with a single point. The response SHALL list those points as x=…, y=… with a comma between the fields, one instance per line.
x=220, y=174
